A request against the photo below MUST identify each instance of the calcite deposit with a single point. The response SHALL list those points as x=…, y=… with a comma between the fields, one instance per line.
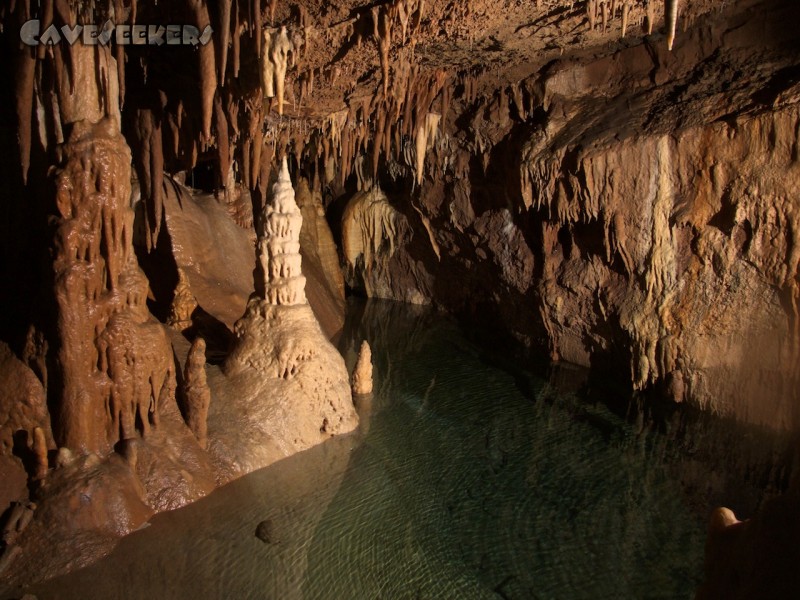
x=362, y=374
x=290, y=387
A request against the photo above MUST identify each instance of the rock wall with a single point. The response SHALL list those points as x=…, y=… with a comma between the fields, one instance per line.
x=635, y=212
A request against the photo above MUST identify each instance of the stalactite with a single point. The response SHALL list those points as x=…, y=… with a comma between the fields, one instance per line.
x=671, y=18
x=403, y=15
x=267, y=66
x=149, y=161
x=281, y=46
x=273, y=4
x=222, y=140
x=425, y=137
x=224, y=7
x=46, y=19
x=24, y=83
x=447, y=94
x=651, y=16
x=257, y=26
x=377, y=141
x=382, y=31
x=238, y=28
x=625, y=11
x=208, y=70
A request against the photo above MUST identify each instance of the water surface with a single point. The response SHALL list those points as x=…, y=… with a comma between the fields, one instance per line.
x=468, y=479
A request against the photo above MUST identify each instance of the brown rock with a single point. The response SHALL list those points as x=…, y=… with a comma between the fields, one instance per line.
x=196, y=391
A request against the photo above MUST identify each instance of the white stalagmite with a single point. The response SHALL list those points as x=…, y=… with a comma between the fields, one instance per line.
x=279, y=245
x=362, y=374
x=671, y=17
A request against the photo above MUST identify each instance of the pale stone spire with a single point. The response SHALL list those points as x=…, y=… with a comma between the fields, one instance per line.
x=279, y=245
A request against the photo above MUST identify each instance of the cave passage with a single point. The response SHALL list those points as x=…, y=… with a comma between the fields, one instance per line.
x=466, y=480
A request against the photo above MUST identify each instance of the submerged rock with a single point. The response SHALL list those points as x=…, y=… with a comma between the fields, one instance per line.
x=266, y=532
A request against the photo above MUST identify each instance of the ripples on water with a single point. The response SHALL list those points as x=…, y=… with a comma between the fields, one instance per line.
x=462, y=483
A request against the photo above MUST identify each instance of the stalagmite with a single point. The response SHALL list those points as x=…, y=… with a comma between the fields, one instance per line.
x=671, y=18
x=197, y=392
x=362, y=374
x=114, y=359
x=40, y=451
x=183, y=304
x=279, y=245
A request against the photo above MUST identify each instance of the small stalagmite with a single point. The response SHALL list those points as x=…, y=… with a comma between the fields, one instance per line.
x=183, y=304
x=40, y=451
x=197, y=392
x=362, y=374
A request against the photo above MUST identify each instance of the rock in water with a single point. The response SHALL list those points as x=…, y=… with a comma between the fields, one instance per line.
x=266, y=532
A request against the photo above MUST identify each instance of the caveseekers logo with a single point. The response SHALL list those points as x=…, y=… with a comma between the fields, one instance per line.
x=94, y=35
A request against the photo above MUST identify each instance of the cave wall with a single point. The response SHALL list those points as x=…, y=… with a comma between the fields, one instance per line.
x=635, y=212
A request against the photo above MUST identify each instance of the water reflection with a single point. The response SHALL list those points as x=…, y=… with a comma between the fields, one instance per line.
x=467, y=480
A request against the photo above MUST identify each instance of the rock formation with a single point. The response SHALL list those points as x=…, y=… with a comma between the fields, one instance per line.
x=196, y=393
x=290, y=387
x=281, y=281
x=183, y=304
x=362, y=374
